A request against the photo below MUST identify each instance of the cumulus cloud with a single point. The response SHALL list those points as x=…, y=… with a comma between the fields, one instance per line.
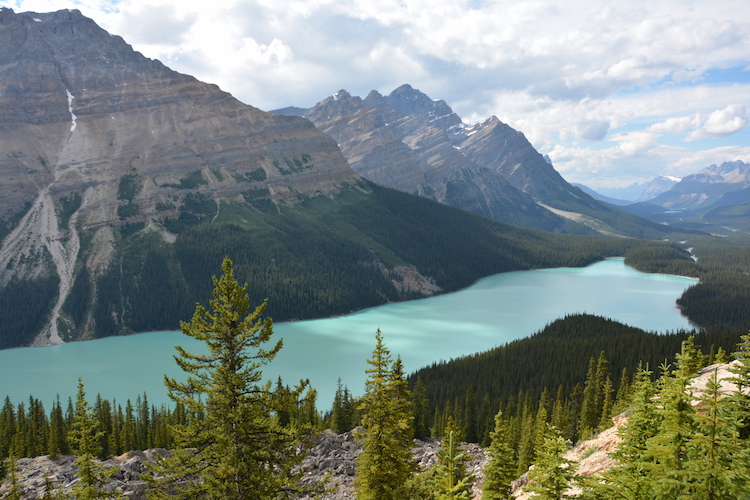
x=721, y=123
x=157, y=25
x=675, y=125
x=592, y=130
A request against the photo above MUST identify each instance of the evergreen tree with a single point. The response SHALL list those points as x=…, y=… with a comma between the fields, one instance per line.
x=128, y=430
x=58, y=436
x=552, y=473
x=721, y=356
x=607, y=405
x=622, y=399
x=589, y=406
x=8, y=428
x=667, y=451
x=384, y=466
x=712, y=452
x=15, y=489
x=527, y=437
x=49, y=491
x=737, y=408
x=487, y=419
x=240, y=451
x=540, y=430
x=450, y=481
x=559, y=416
x=629, y=479
x=84, y=436
x=342, y=416
x=573, y=429
x=420, y=410
x=470, y=423
x=690, y=359
x=593, y=395
x=501, y=469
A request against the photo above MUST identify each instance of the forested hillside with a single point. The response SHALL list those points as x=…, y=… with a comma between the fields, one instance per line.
x=553, y=367
x=319, y=257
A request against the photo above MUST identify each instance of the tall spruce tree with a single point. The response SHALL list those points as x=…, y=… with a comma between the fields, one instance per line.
x=420, y=408
x=384, y=466
x=239, y=449
x=501, y=469
x=450, y=481
x=84, y=436
x=629, y=479
x=737, y=409
x=552, y=472
x=15, y=488
x=470, y=423
x=713, y=452
x=667, y=451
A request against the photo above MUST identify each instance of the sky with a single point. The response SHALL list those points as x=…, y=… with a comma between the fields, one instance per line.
x=615, y=92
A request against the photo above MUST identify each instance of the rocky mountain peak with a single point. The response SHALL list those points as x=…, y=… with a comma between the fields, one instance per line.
x=410, y=102
x=731, y=171
x=96, y=136
x=656, y=186
x=412, y=143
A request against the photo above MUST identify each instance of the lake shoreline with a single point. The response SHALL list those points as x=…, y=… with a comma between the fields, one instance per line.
x=495, y=310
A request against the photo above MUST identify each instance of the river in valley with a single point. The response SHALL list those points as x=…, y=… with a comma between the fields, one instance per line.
x=492, y=312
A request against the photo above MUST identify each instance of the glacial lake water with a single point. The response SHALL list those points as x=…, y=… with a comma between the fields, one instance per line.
x=492, y=312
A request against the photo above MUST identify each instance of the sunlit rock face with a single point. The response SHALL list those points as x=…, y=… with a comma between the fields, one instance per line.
x=418, y=145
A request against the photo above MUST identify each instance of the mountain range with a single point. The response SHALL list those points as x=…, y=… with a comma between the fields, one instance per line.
x=123, y=184
x=410, y=142
x=715, y=200
x=634, y=193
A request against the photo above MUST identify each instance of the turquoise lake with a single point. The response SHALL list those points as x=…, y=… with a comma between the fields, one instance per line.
x=492, y=312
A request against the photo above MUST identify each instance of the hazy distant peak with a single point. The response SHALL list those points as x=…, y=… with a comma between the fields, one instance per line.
x=729, y=170
x=658, y=185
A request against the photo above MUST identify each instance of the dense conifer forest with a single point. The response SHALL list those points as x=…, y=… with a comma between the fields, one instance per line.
x=552, y=366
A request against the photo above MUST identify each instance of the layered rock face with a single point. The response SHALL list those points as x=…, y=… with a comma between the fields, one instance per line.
x=411, y=143
x=96, y=136
x=79, y=107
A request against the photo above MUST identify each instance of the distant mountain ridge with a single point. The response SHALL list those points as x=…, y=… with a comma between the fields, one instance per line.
x=415, y=144
x=716, y=185
x=656, y=186
x=714, y=200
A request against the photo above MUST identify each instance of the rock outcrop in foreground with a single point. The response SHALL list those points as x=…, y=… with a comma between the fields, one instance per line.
x=330, y=453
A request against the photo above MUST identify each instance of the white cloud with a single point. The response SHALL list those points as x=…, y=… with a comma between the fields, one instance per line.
x=157, y=25
x=675, y=125
x=721, y=123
